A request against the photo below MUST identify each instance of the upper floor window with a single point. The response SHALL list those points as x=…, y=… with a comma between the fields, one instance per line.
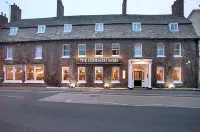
x=99, y=27
x=136, y=27
x=173, y=27
x=9, y=53
x=138, y=50
x=177, y=50
x=115, y=49
x=66, y=51
x=13, y=30
x=81, y=50
x=99, y=49
x=68, y=28
x=41, y=28
x=160, y=50
x=38, y=52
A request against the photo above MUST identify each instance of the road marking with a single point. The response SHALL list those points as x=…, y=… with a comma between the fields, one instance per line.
x=15, y=90
x=68, y=101
x=51, y=92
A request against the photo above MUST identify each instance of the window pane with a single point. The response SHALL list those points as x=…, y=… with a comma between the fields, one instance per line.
x=98, y=74
x=18, y=73
x=99, y=46
x=176, y=74
x=115, y=74
x=176, y=46
x=66, y=53
x=160, y=52
x=160, y=75
x=98, y=52
x=115, y=46
x=9, y=73
x=176, y=52
x=115, y=52
x=66, y=74
x=29, y=72
x=39, y=73
x=81, y=52
x=66, y=47
x=81, y=74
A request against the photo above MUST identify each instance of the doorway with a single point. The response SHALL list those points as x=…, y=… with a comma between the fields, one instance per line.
x=138, y=78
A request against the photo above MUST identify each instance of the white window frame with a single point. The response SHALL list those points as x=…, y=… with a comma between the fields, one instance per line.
x=177, y=49
x=8, y=58
x=67, y=28
x=137, y=49
x=36, y=57
x=161, y=49
x=98, y=68
x=115, y=81
x=175, y=25
x=63, y=56
x=115, y=49
x=180, y=73
x=161, y=81
x=65, y=81
x=40, y=28
x=13, y=31
x=98, y=49
x=99, y=27
x=13, y=68
x=135, y=27
x=34, y=73
x=81, y=81
x=85, y=51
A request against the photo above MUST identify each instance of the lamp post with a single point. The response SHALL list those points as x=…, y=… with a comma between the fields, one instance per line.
x=9, y=10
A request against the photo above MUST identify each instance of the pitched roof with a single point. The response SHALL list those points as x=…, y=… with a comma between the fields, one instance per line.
x=116, y=27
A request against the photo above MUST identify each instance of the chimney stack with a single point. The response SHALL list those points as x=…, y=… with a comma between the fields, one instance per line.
x=3, y=19
x=178, y=8
x=15, y=13
x=124, y=7
x=60, y=9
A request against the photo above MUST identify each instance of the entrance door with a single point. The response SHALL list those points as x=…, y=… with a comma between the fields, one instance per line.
x=138, y=78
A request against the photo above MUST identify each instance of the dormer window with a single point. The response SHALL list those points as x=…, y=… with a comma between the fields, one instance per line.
x=173, y=27
x=68, y=28
x=136, y=27
x=41, y=28
x=13, y=30
x=99, y=27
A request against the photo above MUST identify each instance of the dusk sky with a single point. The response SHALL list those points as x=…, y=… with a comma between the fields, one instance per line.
x=47, y=8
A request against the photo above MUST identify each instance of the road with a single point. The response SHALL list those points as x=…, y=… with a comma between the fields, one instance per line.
x=26, y=111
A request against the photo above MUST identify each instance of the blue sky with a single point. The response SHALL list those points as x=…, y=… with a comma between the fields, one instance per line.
x=47, y=8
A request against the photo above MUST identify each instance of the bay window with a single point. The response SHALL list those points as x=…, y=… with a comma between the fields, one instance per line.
x=81, y=75
x=65, y=75
x=98, y=74
x=160, y=75
x=115, y=74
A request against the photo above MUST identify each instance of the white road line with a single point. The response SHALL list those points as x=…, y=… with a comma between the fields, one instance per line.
x=68, y=101
x=15, y=90
x=51, y=92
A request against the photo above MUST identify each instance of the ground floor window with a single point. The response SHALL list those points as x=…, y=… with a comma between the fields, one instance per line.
x=65, y=74
x=160, y=74
x=98, y=74
x=34, y=73
x=13, y=73
x=177, y=74
x=81, y=75
x=115, y=74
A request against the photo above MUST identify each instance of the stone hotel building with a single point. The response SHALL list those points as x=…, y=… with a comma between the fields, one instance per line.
x=121, y=51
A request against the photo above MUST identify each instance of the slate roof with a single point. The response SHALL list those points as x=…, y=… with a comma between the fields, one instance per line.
x=116, y=26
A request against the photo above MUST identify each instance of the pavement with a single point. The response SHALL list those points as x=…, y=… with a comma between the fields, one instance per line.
x=42, y=110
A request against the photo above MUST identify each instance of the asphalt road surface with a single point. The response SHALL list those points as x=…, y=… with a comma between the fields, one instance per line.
x=20, y=111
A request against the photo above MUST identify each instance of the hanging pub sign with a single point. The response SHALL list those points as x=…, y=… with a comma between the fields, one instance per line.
x=98, y=61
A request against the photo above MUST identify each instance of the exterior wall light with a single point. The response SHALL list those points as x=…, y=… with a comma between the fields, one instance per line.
x=124, y=74
x=106, y=85
x=171, y=85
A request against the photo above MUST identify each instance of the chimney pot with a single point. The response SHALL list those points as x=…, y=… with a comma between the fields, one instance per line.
x=124, y=7
x=1, y=13
x=4, y=15
x=60, y=9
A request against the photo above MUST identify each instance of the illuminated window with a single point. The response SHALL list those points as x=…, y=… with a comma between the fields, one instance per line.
x=99, y=49
x=13, y=74
x=160, y=50
x=177, y=50
x=66, y=50
x=38, y=52
x=81, y=74
x=99, y=74
x=160, y=74
x=82, y=50
x=39, y=72
x=115, y=74
x=29, y=72
x=65, y=74
x=9, y=53
x=138, y=50
x=177, y=74
x=35, y=73
x=115, y=49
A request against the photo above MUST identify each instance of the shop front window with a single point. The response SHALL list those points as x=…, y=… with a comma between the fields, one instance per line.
x=13, y=73
x=9, y=73
x=34, y=73
x=99, y=74
x=65, y=74
x=81, y=74
x=115, y=74
x=177, y=74
x=18, y=73
x=39, y=73
x=29, y=72
x=160, y=74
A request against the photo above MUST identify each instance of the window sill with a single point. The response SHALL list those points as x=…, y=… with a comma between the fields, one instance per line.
x=9, y=59
x=178, y=56
x=65, y=57
x=40, y=32
x=138, y=56
x=177, y=82
x=161, y=82
x=37, y=58
x=116, y=56
x=98, y=55
x=65, y=82
x=82, y=56
x=98, y=82
x=161, y=56
x=99, y=31
x=81, y=82
x=115, y=82
x=14, y=81
x=34, y=81
x=137, y=31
